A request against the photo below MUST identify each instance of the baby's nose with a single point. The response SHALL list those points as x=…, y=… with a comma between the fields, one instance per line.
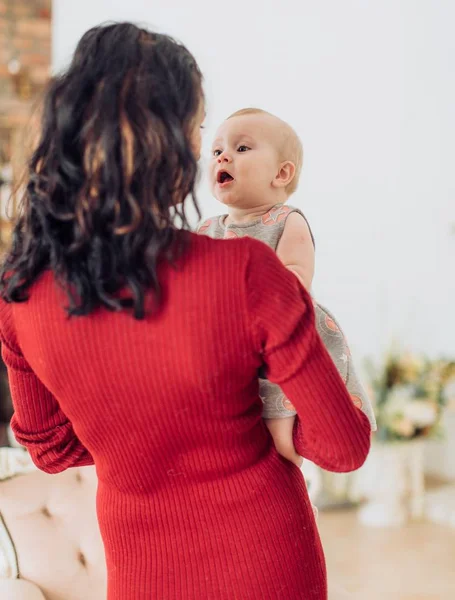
x=224, y=158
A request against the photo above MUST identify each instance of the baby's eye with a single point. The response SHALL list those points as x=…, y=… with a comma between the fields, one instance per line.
x=243, y=148
x=216, y=152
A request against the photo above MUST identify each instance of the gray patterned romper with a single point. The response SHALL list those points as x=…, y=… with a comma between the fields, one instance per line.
x=269, y=229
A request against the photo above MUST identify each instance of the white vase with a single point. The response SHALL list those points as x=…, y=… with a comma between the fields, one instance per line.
x=393, y=484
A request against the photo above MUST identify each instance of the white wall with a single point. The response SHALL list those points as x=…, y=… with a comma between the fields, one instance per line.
x=370, y=88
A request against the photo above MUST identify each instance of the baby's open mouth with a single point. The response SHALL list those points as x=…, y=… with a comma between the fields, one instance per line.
x=224, y=177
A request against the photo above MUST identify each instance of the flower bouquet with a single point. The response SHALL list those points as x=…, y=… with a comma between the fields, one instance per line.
x=410, y=393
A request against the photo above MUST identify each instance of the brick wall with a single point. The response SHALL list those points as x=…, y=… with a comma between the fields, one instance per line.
x=25, y=55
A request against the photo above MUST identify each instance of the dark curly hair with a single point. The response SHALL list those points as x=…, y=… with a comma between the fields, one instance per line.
x=106, y=184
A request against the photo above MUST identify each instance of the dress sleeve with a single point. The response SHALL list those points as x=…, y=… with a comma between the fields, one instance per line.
x=38, y=422
x=329, y=430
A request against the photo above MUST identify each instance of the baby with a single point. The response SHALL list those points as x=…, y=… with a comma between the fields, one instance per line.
x=255, y=168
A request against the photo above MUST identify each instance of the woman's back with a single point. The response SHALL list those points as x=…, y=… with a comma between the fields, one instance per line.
x=161, y=385
x=193, y=500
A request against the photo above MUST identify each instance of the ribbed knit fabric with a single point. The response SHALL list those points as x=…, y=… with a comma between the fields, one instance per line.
x=193, y=501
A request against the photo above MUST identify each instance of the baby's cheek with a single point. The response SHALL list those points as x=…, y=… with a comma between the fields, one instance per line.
x=214, y=189
x=211, y=178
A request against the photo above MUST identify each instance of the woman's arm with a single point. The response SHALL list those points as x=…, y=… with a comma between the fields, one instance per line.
x=38, y=422
x=329, y=430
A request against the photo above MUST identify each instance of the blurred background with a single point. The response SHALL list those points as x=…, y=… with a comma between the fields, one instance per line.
x=370, y=88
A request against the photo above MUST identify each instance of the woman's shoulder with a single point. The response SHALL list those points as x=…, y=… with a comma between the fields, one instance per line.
x=238, y=260
x=44, y=297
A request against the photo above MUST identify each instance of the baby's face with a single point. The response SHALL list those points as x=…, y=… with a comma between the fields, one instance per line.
x=245, y=161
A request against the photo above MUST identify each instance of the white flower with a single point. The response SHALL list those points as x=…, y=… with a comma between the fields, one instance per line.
x=397, y=400
x=421, y=413
x=403, y=427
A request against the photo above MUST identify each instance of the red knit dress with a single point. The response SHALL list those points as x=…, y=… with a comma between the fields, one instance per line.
x=193, y=501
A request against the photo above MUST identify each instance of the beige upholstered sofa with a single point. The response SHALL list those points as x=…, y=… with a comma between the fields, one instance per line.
x=50, y=546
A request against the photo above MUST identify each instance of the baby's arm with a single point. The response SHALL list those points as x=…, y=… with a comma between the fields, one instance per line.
x=296, y=249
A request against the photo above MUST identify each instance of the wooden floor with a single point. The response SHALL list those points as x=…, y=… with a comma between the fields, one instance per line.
x=415, y=562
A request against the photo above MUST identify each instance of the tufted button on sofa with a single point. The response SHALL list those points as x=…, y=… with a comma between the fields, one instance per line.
x=50, y=545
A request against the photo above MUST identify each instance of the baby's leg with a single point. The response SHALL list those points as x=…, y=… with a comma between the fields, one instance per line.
x=279, y=416
x=281, y=432
x=335, y=342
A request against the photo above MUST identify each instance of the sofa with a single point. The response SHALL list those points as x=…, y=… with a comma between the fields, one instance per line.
x=50, y=545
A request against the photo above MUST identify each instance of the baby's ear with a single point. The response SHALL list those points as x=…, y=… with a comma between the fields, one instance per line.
x=285, y=175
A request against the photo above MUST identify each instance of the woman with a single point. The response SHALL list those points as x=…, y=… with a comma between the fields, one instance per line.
x=113, y=319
